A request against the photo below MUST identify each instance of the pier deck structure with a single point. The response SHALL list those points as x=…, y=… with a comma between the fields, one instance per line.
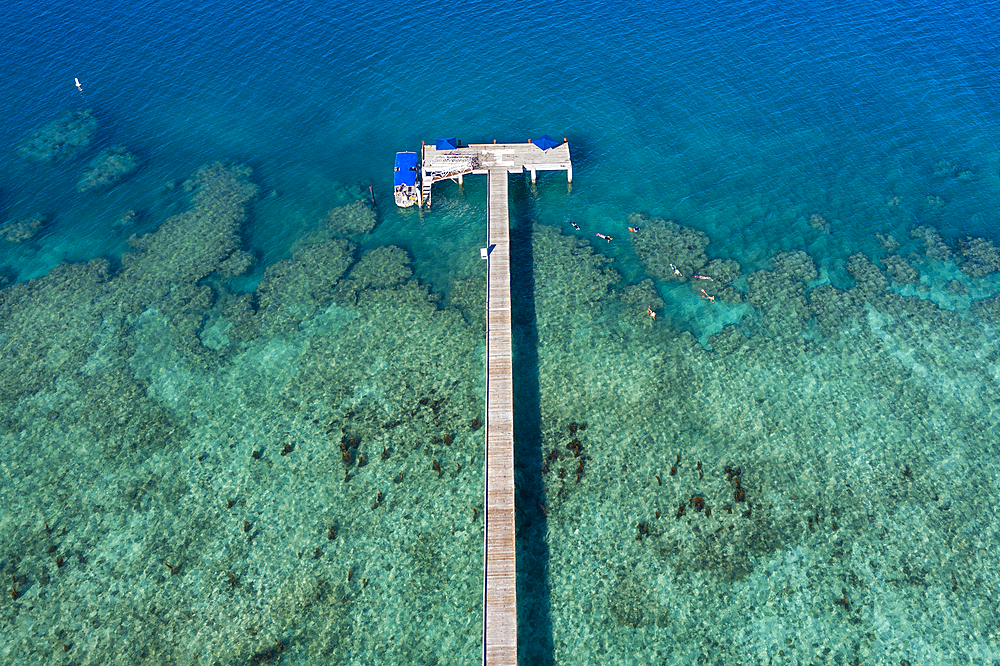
x=454, y=163
x=499, y=557
x=498, y=161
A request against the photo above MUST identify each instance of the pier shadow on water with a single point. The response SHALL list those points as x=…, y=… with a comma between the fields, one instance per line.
x=534, y=623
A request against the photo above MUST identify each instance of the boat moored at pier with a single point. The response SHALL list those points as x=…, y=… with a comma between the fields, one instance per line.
x=404, y=180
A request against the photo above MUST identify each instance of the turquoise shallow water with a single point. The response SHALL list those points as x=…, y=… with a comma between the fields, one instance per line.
x=241, y=402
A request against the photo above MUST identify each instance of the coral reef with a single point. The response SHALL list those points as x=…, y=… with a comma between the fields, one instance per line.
x=723, y=273
x=870, y=280
x=979, y=257
x=573, y=278
x=817, y=222
x=954, y=169
x=795, y=266
x=780, y=293
x=37, y=349
x=61, y=138
x=888, y=242
x=351, y=219
x=900, y=270
x=23, y=230
x=185, y=451
x=295, y=288
x=728, y=341
x=934, y=245
x=662, y=244
x=469, y=296
x=664, y=419
x=128, y=218
x=110, y=167
x=379, y=268
x=253, y=477
x=238, y=263
x=987, y=309
x=835, y=310
x=635, y=299
x=956, y=287
x=189, y=246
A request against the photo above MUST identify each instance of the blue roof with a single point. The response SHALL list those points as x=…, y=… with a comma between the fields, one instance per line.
x=545, y=142
x=405, y=172
x=446, y=144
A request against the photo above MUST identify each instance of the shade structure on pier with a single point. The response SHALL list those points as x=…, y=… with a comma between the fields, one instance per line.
x=545, y=142
x=446, y=144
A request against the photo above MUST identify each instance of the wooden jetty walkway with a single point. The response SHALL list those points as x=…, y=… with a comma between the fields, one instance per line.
x=500, y=556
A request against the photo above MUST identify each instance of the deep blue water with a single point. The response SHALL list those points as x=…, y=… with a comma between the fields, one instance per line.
x=738, y=118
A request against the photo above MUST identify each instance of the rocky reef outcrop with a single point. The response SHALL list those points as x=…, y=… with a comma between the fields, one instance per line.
x=668, y=251
x=110, y=167
x=22, y=230
x=61, y=138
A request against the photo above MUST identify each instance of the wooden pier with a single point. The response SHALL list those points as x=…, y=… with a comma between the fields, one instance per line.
x=499, y=558
x=500, y=553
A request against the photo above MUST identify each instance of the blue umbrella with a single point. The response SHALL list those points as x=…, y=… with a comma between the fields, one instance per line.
x=545, y=142
x=446, y=144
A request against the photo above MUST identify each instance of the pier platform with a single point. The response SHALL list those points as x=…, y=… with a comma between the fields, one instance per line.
x=454, y=163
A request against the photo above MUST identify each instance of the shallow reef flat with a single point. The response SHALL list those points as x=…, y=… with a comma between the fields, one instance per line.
x=231, y=478
x=814, y=485
x=294, y=474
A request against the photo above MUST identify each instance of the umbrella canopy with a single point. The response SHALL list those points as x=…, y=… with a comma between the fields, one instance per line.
x=545, y=142
x=446, y=144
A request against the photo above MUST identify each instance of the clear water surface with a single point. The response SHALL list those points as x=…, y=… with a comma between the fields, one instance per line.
x=242, y=391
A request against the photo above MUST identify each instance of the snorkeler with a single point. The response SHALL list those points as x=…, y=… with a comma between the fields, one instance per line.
x=575, y=225
x=634, y=230
x=650, y=312
x=704, y=294
x=607, y=238
x=703, y=277
x=676, y=272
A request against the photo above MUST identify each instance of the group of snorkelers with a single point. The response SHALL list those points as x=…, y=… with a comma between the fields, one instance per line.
x=606, y=237
x=704, y=294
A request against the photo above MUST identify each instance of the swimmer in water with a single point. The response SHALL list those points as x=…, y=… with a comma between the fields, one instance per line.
x=703, y=277
x=676, y=272
x=650, y=312
x=704, y=294
x=607, y=238
x=77, y=82
x=575, y=225
x=634, y=230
